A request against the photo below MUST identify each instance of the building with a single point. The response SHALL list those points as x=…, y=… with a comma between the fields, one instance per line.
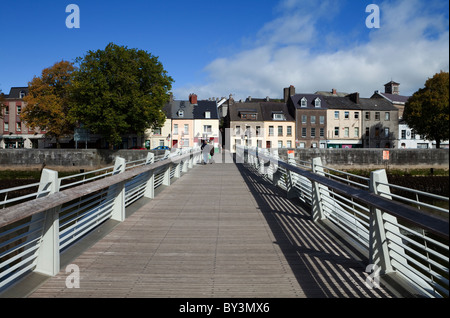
x=160, y=136
x=13, y=132
x=260, y=124
x=343, y=129
x=392, y=95
x=310, y=114
x=380, y=121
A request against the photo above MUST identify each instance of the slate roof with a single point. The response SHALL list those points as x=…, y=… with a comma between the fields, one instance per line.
x=376, y=104
x=235, y=110
x=14, y=93
x=395, y=98
x=191, y=111
x=341, y=103
x=296, y=99
x=268, y=109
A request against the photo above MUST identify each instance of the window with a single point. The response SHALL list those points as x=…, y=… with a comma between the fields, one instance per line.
x=336, y=114
x=377, y=115
x=157, y=131
x=278, y=117
x=304, y=119
x=322, y=120
x=367, y=115
x=386, y=132
x=403, y=134
x=6, y=127
x=280, y=130
x=186, y=129
x=289, y=144
x=346, y=132
x=377, y=131
x=258, y=130
x=185, y=142
x=19, y=109
x=175, y=129
x=289, y=130
x=302, y=145
x=356, y=132
x=270, y=130
x=181, y=113
x=6, y=110
x=336, y=131
x=346, y=115
x=304, y=132
x=207, y=115
x=18, y=127
x=387, y=116
x=303, y=102
x=21, y=94
x=313, y=132
x=356, y=115
x=367, y=131
x=238, y=130
x=313, y=119
x=317, y=103
x=207, y=129
x=161, y=142
x=280, y=144
x=322, y=132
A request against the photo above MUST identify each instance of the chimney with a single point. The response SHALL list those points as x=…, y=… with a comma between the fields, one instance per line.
x=354, y=97
x=334, y=91
x=193, y=99
x=288, y=92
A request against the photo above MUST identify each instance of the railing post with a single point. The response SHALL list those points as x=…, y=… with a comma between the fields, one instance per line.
x=150, y=158
x=317, y=210
x=291, y=178
x=378, y=245
x=118, y=192
x=48, y=258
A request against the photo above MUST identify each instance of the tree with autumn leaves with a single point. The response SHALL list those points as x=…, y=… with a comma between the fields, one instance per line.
x=48, y=101
x=111, y=92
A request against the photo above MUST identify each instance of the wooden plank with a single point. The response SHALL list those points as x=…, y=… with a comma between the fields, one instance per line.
x=216, y=232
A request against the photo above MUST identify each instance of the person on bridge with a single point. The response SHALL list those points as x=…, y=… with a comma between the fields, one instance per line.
x=205, y=151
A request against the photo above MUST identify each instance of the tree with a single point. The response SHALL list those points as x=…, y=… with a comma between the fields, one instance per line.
x=118, y=91
x=427, y=111
x=48, y=101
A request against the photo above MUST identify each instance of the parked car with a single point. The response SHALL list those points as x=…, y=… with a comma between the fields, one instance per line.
x=161, y=148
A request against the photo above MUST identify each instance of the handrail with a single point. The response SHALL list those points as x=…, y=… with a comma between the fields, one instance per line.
x=395, y=237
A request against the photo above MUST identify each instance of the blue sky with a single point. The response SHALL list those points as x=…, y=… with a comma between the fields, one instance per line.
x=245, y=48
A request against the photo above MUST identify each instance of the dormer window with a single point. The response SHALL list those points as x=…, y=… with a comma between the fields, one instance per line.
x=278, y=116
x=21, y=94
x=317, y=102
x=181, y=113
x=303, y=102
x=207, y=115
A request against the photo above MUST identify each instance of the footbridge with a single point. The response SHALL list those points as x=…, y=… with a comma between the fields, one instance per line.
x=250, y=225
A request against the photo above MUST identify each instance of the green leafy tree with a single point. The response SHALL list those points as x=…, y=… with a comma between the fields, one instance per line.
x=118, y=91
x=427, y=111
x=48, y=101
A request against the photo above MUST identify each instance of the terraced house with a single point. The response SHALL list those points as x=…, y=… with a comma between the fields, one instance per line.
x=13, y=132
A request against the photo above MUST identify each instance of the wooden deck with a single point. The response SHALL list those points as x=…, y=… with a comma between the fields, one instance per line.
x=218, y=231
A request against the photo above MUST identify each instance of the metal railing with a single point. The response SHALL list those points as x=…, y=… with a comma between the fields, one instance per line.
x=37, y=227
x=404, y=234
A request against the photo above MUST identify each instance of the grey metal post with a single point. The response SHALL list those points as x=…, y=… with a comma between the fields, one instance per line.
x=48, y=258
x=378, y=244
x=291, y=178
x=317, y=210
x=118, y=192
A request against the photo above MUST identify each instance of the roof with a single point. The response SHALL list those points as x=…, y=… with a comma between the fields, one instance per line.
x=14, y=93
x=341, y=103
x=268, y=109
x=203, y=107
x=310, y=98
x=326, y=93
x=190, y=111
x=395, y=98
x=248, y=107
x=376, y=104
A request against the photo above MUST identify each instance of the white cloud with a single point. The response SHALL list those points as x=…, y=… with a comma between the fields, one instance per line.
x=411, y=45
